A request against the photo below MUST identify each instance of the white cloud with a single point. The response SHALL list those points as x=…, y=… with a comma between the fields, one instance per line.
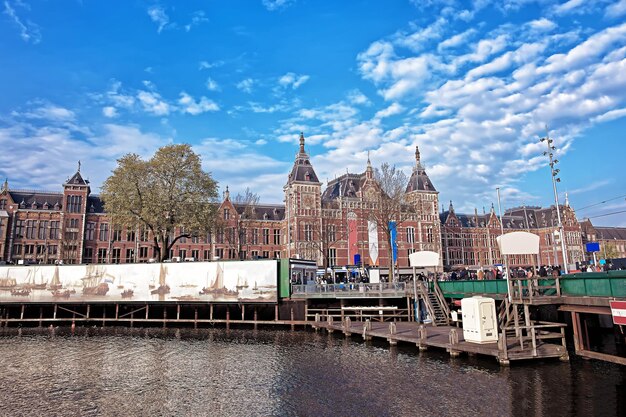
x=189, y=105
x=198, y=17
x=29, y=31
x=616, y=9
x=542, y=24
x=357, y=97
x=109, y=111
x=392, y=110
x=292, y=80
x=260, y=142
x=246, y=85
x=610, y=115
x=153, y=103
x=208, y=65
x=272, y=5
x=568, y=6
x=158, y=16
x=212, y=85
x=456, y=40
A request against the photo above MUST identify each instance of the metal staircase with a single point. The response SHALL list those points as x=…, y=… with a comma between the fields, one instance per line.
x=435, y=304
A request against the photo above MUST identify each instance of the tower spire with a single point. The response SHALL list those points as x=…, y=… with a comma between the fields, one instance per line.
x=78, y=165
x=417, y=156
x=301, y=142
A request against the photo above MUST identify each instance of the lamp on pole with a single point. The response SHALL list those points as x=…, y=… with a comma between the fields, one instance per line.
x=554, y=172
x=504, y=257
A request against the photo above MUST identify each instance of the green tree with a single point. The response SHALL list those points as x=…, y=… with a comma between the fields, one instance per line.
x=166, y=194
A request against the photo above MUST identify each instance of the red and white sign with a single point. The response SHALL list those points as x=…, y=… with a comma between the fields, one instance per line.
x=618, y=310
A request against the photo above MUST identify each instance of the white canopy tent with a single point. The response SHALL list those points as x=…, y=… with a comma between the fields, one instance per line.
x=517, y=243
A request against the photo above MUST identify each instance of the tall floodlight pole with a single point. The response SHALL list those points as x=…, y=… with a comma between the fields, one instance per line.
x=504, y=257
x=554, y=172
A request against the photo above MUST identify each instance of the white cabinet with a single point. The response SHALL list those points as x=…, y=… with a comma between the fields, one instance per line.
x=480, y=323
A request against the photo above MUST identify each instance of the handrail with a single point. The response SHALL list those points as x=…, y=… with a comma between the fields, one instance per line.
x=441, y=299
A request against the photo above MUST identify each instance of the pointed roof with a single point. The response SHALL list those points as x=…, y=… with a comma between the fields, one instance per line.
x=419, y=180
x=302, y=170
x=76, y=179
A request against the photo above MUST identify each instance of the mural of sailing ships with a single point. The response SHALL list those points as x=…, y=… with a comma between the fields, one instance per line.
x=218, y=288
x=241, y=283
x=55, y=284
x=163, y=287
x=95, y=282
x=7, y=283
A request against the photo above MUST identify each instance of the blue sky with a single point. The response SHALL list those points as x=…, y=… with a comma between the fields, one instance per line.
x=473, y=83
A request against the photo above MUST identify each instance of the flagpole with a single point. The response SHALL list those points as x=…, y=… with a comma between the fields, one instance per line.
x=504, y=257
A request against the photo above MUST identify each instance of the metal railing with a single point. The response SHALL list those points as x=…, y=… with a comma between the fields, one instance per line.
x=350, y=290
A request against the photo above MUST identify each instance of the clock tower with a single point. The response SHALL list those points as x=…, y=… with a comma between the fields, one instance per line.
x=303, y=209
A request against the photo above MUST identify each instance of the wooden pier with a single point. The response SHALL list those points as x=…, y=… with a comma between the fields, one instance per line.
x=449, y=338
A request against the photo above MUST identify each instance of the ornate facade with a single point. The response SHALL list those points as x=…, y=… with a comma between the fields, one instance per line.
x=332, y=226
x=470, y=240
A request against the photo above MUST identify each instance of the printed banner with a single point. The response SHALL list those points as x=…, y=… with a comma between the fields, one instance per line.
x=372, y=233
x=394, y=246
x=353, y=242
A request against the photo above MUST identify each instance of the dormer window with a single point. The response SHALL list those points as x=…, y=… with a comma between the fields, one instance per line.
x=92, y=208
x=265, y=216
x=23, y=204
x=33, y=205
x=307, y=176
x=57, y=206
x=46, y=205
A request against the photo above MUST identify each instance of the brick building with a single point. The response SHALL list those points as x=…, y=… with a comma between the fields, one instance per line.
x=612, y=240
x=470, y=239
x=332, y=227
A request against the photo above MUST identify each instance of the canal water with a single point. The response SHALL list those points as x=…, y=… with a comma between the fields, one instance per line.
x=219, y=372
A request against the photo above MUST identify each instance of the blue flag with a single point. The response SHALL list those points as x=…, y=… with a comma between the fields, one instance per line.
x=394, y=246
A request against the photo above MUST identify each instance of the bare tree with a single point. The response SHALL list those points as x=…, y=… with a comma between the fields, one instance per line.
x=324, y=239
x=237, y=229
x=388, y=204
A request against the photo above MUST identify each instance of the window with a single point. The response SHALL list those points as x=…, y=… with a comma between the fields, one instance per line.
x=266, y=236
x=41, y=233
x=102, y=255
x=104, y=233
x=130, y=255
x=207, y=255
x=276, y=236
x=143, y=252
x=266, y=254
x=276, y=254
x=255, y=236
x=226, y=214
x=74, y=203
x=332, y=230
x=116, y=254
x=254, y=254
x=231, y=235
x=117, y=233
x=182, y=254
x=53, y=250
x=54, y=230
x=232, y=254
x=429, y=235
x=17, y=250
x=308, y=232
x=219, y=253
x=3, y=204
x=332, y=257
x=243, y=234
x=143, y=234
x=30, y=229
x=90, y=231
x=29, y=249
x=410, y=234
x=19, y=229
x=195, y=254
x=41, y=249
x=130, y=236
x=71, y=232
x=88, y=255
x=220, y=236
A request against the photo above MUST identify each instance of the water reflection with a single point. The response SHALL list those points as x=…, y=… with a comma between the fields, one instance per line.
x=280, y=373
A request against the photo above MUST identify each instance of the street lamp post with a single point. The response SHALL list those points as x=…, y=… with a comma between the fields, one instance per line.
x=554, y=172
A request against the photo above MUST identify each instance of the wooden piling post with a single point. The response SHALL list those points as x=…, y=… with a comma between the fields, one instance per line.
x=227, y=317
x=293, y=326
x=392, y=331
x=40, y=316
x=104, y=315
x=164, y=316
x=195, y=318
x=177, y=312
x=256, y=317
x=22, y=312
x=453, y=338
x=422, y=335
